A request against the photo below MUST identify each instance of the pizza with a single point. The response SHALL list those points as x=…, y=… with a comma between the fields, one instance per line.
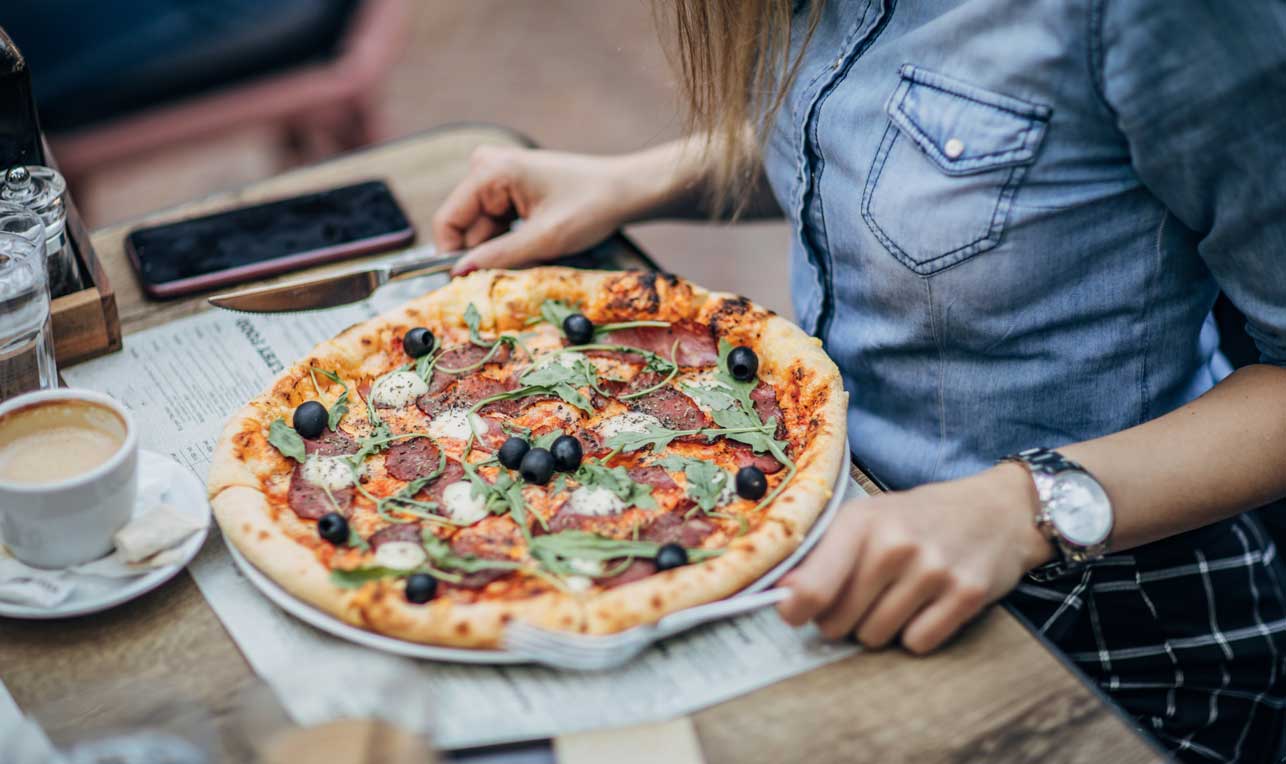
x=583, y=450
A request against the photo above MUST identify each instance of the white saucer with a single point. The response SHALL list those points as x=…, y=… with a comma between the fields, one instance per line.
x=94, y=593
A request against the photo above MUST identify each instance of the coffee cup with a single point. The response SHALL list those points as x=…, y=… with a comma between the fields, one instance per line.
x=68, y=475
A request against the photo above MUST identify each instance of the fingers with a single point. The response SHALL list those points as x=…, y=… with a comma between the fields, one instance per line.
x=482, y=229
x=817, y=582
x=487, y=191
x=937, y=622
x=899, y=604
x=518, y=247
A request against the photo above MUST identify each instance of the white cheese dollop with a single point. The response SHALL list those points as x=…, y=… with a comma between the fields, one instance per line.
x=578, y=584
x=456, y=423
x=566, y=359
x=630, y=421
x=462, y=505
x=400, y=555
x=331, y=472
x=591, y=568
x=594, y=501
x=398, y=389
x=706, y=382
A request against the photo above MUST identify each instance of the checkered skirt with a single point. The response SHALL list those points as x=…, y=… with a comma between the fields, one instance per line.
x=1187, y=634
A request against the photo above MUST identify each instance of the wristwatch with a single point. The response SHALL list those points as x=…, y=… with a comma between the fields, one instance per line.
x=1075, y=513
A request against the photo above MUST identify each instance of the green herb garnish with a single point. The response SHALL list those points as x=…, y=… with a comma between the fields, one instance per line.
x=284, y=438
x=707, y=482
x=617, y=480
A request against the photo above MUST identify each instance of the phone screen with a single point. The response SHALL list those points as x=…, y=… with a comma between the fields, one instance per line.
x=253, y=242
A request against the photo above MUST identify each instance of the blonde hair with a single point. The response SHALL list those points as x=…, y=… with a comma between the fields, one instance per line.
x=733, y=59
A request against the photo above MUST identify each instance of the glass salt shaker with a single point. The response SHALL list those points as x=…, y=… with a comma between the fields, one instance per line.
x=41, y=190
x=26, y=330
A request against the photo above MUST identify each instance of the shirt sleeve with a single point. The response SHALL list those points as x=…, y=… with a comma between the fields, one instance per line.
x=1199, y=91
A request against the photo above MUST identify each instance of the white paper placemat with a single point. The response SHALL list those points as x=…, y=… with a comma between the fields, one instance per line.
x=181, y=380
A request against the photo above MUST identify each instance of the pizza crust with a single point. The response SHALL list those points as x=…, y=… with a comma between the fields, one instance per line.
x=790, y=359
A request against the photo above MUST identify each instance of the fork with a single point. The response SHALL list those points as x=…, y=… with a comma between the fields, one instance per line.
x=579, y=652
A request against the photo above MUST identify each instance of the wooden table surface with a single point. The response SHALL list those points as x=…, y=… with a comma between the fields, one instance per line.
x=995, y=694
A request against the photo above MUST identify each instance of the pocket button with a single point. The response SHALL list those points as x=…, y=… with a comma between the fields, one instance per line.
x=953, y=148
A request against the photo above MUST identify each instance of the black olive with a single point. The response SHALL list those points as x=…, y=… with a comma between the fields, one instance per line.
x=310, y=419
x=751, y=483
x=420, y=588
x=333, y=527
x=512, y=451
x=537, y=466
x=743, y=364
x=418, y=341
x=579, y=330
x=567, y=453
x=671, y=556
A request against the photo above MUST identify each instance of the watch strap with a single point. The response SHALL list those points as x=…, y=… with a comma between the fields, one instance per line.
x=1048, y=462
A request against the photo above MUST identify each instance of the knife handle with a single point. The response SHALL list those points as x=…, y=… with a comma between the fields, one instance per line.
x=422, y=264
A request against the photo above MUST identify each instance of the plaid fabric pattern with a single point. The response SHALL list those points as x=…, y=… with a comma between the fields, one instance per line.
x=1187, y=634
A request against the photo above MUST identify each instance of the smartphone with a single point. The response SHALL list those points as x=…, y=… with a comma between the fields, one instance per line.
x=253, y=242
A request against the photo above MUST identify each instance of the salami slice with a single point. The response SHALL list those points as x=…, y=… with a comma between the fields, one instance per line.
x=330, y=443
x=466, y=392
x=636, y=570
x=765, y=400
x=451, y=473
x=310, y=501
x=490, y=539
x=654, y=476
x=469, y=354
x=674, y=409
x=411, y=459
x=396, y=532
x=746, y=457
x=696, y=347
x=671, y=528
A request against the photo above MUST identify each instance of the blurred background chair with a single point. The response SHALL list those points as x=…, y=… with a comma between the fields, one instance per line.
x=118, y=81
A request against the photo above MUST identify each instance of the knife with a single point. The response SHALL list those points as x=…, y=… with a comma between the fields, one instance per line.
x=337, y=289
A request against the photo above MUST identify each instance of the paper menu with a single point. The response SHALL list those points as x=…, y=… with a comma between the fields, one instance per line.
x=182, y=380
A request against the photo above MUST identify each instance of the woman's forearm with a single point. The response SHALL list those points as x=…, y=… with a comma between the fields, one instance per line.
x=1220, y=455
x=673, y=181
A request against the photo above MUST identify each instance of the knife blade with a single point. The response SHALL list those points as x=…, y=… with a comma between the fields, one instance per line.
x=336, y=289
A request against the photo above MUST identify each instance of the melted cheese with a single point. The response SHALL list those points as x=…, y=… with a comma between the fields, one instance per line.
x=456, y=423
x=400, y=555
x=398, y=389
x=579, y=584
x=595, y=502
x=462, y=505
x=630, y=421
x=331, y=472
x=591, y=568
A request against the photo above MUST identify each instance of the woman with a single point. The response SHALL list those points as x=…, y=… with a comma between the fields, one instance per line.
x=1012, y=219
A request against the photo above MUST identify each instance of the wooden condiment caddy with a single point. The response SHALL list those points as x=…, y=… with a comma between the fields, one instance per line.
x=85, y=323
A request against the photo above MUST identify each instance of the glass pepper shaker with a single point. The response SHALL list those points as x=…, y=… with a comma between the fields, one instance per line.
x=41, y=190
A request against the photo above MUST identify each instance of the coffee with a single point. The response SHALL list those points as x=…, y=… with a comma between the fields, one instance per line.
x=51, y=441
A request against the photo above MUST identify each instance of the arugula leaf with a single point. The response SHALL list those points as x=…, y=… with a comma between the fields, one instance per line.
x=715, y=398
x=556, y=311
x=547, y=439
x=356, y=541
x=555, y=550
x=707, y=482
x=424, y=366
x=655, y=436
x=340, y=407
x=358, y=577
x=618, y=481
x=284, y=438
x=473, y=319
x=740, y=390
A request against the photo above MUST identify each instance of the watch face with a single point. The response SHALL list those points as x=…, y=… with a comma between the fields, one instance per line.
x=1080, y=509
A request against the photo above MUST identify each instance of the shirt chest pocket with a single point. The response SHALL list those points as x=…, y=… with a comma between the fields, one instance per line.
x=952, y=157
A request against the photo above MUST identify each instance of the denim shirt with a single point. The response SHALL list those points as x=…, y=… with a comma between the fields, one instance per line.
x=1012, y=217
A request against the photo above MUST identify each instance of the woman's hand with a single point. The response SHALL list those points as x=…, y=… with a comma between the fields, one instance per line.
x=568, y=203
x=919, y=563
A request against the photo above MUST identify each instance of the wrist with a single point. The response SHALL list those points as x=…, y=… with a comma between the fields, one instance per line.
x=1012, y=484
x=663, y=181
